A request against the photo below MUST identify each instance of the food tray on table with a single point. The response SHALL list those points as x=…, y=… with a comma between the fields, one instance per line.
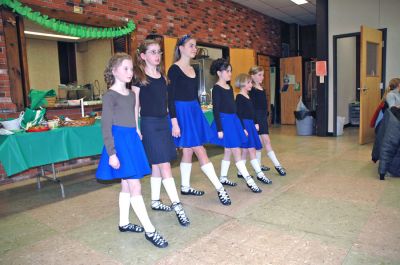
x=86, y=121
x=39, y=128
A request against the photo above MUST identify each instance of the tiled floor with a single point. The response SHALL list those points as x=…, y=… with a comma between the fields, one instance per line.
x=330, y=209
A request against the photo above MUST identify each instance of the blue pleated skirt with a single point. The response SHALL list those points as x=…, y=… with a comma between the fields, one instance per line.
x=253, y=140
x=195, y=130
x=234, y=135
x=131, y=155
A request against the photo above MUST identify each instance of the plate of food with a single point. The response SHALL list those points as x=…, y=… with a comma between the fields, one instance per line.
x=38, y=128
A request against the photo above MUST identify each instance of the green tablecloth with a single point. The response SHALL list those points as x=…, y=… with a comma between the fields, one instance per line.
x=209, y=115
x=21, y=151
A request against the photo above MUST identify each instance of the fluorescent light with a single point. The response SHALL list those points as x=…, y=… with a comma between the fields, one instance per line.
x=299, y=2
x=50, y=35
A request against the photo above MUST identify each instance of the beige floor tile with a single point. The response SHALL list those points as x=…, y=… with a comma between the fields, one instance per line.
x=19, y=230
x=238, y=243
x=77, y=211
x=315, y=215
x=133, y=248
x=357, y=257
x=380, y=236
x=56, y=250
x=329, y=209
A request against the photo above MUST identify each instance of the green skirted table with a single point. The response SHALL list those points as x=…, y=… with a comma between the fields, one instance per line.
x=209, y=115
x=23, y=150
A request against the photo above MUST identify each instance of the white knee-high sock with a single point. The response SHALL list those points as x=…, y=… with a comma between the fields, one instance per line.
x=225, y=168
x=272, y=156
x=186, y=169
x=242, y=169
x=258, y=156
x=244, y=161
x=141, y=212
x=124, y=207
x=208, y=169
x=155, y=183
x=257, y=168
x=169, y=185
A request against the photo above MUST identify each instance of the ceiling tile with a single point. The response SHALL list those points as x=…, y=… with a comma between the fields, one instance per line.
x=278, y=3
x=284, y=10
x=294, y=11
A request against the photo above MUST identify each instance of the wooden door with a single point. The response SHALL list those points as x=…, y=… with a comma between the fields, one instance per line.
x=370, y=80
x=241, y=61
x=16, y=58
x=169, y=50
x=264, y=62
x=290, y=68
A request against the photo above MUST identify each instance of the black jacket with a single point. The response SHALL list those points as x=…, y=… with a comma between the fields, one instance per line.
x=387, y=144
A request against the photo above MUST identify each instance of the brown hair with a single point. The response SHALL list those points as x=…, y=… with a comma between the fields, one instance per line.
x=182, y=41
x=138, y=69
x=114, y=62
x=241, y=80
x=393, y=84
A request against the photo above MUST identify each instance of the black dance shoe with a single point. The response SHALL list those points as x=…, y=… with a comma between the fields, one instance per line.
x=227, y=182
x=281, y=171
x=159, y=206
x=131, y=228
x=193, y=192
x=224, y=197
x=156, y=239
x=180, y=213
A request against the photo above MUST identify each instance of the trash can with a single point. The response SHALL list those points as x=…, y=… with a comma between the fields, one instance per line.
x=304, y=122
x=339, y=125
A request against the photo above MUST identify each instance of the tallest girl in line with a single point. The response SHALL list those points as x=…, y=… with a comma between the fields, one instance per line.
x=189, y=126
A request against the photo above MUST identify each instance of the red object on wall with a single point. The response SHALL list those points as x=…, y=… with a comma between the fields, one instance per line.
x=320, y=68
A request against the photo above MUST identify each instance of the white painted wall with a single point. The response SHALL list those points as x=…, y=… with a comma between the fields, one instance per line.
x=346, y=16
x=346, y=75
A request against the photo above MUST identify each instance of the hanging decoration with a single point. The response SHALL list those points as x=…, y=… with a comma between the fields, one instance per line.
x=68, y=28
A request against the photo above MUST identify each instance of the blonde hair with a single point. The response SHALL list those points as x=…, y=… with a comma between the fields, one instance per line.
x=255, y=70
x=393, y=84
x=241, y=80
x=140, y=64
x=114, y=62
x=182, y=41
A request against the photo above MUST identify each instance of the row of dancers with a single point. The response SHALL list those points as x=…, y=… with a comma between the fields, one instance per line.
x=171, y=117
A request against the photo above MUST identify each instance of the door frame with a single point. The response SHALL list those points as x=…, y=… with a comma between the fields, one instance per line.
x=383, y=74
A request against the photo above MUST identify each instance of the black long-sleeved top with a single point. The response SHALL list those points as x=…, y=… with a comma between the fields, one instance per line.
x=153, y=97
x=223, y=101
x=245, y=109
x=259, y=99
x=181, y=88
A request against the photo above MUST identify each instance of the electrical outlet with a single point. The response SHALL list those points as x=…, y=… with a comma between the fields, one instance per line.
x=78, y=9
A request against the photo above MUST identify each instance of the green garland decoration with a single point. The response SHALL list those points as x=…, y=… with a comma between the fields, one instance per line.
x=68, y=28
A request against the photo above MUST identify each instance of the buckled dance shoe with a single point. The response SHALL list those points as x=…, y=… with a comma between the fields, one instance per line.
x=131, y=228
x=265, y=168
x=180, y=213
x=225, y=181
x=193, y=192
x=156, y=239
x=264, y=180
x=253, y=186
x=159, y=206
x=281, y=171
x=224, y=197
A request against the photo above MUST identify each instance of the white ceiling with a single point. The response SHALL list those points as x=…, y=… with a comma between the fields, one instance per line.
x=284, y=10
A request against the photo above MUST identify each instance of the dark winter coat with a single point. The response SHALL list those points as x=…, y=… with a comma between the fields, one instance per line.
x=387, y=144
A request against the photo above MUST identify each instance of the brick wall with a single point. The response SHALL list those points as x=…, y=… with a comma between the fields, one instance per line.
x=7, y=108
x=217, y=22
x=212, y=21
